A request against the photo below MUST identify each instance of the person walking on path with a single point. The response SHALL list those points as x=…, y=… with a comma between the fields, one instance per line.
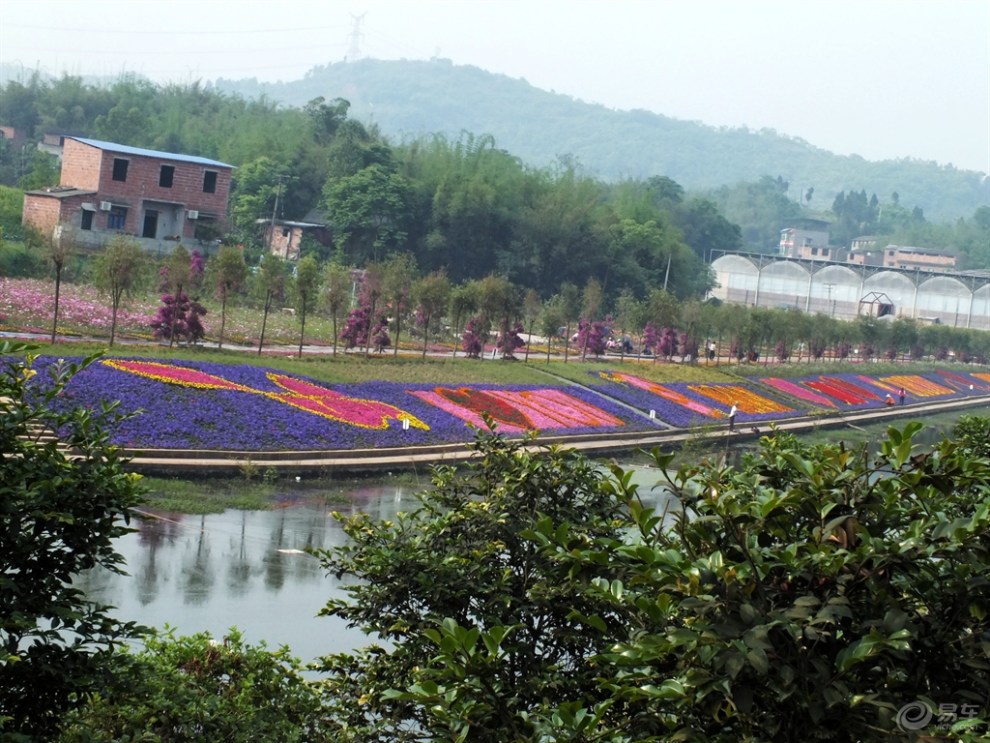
x=732, y=416
x=901, y=395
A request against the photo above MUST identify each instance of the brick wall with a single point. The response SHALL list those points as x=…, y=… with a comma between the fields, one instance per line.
x=80, y=166
x=41, y=212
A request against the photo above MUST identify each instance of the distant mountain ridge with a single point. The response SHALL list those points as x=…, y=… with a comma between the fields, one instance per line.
x=408, y=99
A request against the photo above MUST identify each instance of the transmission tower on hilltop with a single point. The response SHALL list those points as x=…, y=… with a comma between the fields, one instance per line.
x=354, y=49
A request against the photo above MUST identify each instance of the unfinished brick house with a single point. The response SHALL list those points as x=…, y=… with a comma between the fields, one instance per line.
x=159, y=198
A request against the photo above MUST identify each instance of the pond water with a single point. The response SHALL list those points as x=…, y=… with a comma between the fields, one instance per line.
x=249, y=569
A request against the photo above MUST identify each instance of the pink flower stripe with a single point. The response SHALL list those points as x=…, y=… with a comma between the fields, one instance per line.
x=299, y=394
x=544, y=409
x=175, y=375
x=798, y=391
x=747, y=400
x=550, y=409
x=335, y=406
x=660, y=391
x=917, y=385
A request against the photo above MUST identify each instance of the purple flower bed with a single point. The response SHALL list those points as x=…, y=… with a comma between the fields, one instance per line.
x=187, y=417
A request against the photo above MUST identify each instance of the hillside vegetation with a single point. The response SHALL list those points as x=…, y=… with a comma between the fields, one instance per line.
x=407, y=99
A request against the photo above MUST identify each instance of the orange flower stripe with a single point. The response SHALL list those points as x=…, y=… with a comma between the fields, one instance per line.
x=878, y=383
x=746, y=400
x=980, y=375
x=298, y=393
x=917, y=385
x=660, y=391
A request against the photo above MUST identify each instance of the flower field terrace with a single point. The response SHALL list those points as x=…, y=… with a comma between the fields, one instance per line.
x=685, y=404
x=29, y=304
x=232, y=407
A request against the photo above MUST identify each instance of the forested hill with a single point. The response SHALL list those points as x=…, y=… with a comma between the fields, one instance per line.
x=412, y=98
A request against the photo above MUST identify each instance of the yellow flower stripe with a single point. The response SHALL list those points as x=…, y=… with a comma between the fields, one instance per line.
x=917, y=385
x=746, y=400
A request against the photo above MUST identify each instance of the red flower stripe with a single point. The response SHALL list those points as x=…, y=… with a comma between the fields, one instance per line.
x=827, y=388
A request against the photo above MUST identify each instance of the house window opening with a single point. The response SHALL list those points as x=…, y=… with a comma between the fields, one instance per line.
x=119, y=169
x=87, y=220
x=117, y=218
x=210, y=181
x=165, y=176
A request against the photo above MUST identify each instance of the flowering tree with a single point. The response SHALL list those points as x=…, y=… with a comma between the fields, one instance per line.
x=592, y=336
x=475, y=335
x=355, y=332
x=509, y=340
x=178, y=319
x=380, y=339
x=174, y=276
x=667, y=344
x=651, y=338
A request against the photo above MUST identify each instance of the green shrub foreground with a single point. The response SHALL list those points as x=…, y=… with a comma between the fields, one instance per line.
x=809, y=593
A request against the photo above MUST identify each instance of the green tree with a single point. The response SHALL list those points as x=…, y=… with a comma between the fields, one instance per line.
x=399, y=274
x=63, y=503
x=196, y=688
x=57, y=249
x=459, y=573
x=570, y=305
x=271, y=280
x=45, y=171
x=370, y=211
x=229, y=275
x=431, y=295
x=810, y=588
x=117, y=270
x=307, y=288
x=552, y=319
x=463, y=301
x=337, y=286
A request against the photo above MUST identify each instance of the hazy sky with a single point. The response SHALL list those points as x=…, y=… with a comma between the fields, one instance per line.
x=878, y=78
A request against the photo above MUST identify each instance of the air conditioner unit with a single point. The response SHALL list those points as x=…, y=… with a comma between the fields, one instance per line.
x=105, y=206
x=192, y=214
